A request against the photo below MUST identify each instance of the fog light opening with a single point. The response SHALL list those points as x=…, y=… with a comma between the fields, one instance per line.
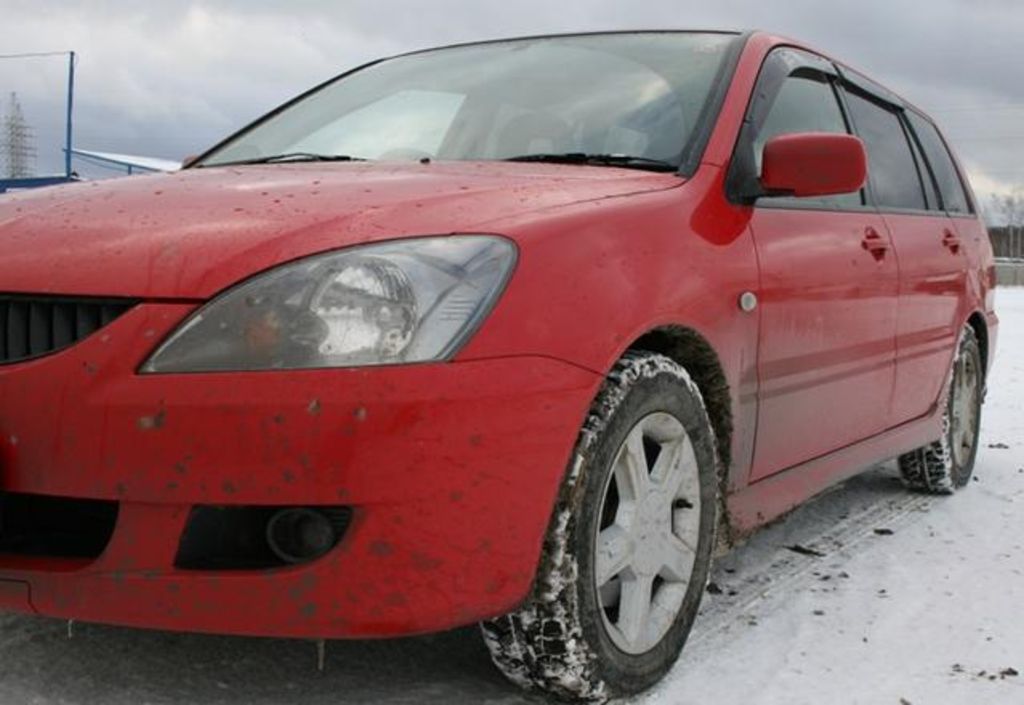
x=299, y=534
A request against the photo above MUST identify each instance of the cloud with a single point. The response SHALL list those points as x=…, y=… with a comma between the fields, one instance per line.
x=170, y=78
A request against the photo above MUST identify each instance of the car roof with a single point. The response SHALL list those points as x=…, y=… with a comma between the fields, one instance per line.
x=566, y=35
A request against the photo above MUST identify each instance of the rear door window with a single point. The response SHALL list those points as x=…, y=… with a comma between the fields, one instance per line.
x=891, y=167
x=953, y=196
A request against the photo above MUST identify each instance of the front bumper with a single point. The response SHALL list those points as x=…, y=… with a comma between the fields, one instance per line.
x=451, y=470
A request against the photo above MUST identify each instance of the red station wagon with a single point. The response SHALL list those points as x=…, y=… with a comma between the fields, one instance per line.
x=506, y=332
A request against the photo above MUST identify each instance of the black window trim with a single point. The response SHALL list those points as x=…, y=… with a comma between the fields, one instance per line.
x=842, y=79
x=972, y=211
x=884, y=95
x=707, y=121
x=780, y=64
x=868, y=86
x=850, y=88
x=917, y=149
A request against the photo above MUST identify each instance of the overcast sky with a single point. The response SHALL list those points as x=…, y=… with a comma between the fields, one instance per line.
x=170, y=78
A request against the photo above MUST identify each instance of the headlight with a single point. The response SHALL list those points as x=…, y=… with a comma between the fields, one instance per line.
x=412, y=300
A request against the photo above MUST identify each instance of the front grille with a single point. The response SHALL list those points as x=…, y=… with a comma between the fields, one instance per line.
x=31, y=326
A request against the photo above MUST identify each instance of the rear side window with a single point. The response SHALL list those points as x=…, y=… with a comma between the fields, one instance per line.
x=804, y=104
x=953, y=196
x=891, y=167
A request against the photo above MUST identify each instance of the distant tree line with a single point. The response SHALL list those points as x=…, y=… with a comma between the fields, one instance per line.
x=1007, y=243
x=1008, y=237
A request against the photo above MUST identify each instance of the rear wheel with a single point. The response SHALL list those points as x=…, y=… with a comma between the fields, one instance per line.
x=945, y=465
x=627, y=554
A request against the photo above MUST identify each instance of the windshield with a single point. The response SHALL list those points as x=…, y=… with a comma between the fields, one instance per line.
x=614, y=95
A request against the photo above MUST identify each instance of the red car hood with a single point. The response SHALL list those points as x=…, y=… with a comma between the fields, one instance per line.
x=191, y=234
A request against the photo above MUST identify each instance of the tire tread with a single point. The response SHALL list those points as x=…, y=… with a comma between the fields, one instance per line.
x=931, y=468
x=541, y=646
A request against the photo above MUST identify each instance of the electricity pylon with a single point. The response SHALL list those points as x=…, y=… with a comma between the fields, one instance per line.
x=17, y=149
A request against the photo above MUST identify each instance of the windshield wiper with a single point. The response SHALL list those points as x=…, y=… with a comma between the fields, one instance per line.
x=621, y=160
x=292, y=157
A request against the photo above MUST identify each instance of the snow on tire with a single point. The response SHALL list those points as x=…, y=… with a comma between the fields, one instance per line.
x=947, y=464
x=628, y=550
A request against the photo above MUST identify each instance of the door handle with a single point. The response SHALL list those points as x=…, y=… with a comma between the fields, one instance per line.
x=874, y=243
x=951, y=242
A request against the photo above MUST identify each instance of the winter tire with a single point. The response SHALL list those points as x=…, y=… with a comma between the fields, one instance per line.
x=947, y=464
x=627, y=553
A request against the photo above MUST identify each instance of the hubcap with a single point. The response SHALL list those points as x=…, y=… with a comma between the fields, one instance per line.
x=647, y=538
x=963, y=405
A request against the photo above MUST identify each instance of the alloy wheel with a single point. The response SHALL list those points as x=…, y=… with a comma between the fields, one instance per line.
x=646, y=544
x=963, y=409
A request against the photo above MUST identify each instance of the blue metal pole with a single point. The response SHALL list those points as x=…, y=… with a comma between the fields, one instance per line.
x=71, y=97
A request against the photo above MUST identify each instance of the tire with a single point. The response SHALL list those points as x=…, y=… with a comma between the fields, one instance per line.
x=946, y=465
x=581, y=641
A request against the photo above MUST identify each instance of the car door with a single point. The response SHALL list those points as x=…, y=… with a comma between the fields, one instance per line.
x=971, y=237
x=828, y=289
x=931, y=256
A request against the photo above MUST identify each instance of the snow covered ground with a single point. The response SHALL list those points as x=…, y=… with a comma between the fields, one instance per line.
x=929, y=614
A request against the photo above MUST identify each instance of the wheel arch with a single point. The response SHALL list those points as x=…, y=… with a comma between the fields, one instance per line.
x=692, y=350
x=977, y=323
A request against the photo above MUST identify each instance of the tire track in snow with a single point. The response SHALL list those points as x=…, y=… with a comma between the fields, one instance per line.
x=785, y=572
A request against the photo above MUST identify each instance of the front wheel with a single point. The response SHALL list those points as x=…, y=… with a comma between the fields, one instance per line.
x=627, y=554
x=947, y=464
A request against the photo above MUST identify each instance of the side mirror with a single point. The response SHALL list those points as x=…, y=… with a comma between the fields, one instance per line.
x=813, y=164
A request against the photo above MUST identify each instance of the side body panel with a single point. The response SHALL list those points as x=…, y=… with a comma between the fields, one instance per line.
x=592, y=282
x=826, y=354
x=933, y=274
x=981, y=272
x=981, y=277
